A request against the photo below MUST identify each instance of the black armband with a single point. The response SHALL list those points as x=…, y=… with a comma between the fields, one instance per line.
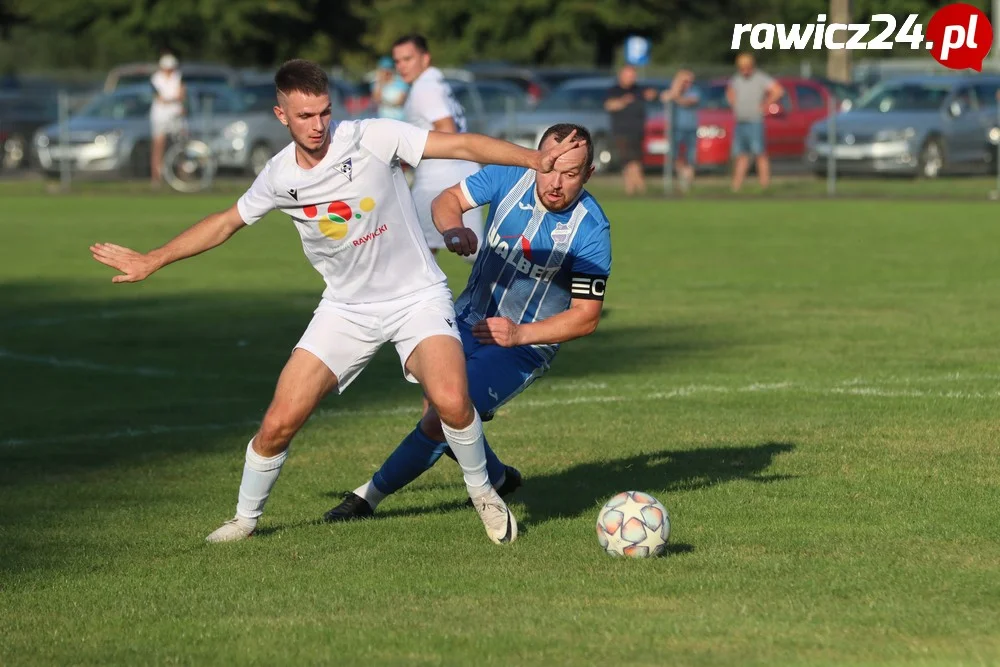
x=584, y=286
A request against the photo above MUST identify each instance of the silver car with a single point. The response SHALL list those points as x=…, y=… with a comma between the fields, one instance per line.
x=916, y=125
x=111, y=134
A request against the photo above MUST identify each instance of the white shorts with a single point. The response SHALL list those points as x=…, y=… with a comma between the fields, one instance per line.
x=166, y=122
x=346, y=337
x=423, y=194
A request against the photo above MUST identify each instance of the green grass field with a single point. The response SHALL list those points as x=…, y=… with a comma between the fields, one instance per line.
x=811, y=389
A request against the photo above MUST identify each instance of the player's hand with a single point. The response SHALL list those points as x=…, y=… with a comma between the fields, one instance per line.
x=497, y=331
x=461, y=241
x=547, y=159
x=134, y=266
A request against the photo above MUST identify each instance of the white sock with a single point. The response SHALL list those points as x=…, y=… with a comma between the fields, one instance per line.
x=259, y=476
x=370, y=493
x=467, y=446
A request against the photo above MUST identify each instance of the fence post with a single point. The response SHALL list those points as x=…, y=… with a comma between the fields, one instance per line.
x=831, y=158
x=668, y=162
x=64, y=143
x=996, y=163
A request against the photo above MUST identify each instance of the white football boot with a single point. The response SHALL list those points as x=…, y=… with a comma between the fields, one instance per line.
x=500, y=523
x=230, y=531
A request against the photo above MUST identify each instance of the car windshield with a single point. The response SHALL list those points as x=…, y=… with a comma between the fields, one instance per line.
x=888, y=97
x=579, y=99
x=118, y=105
x=258, y=97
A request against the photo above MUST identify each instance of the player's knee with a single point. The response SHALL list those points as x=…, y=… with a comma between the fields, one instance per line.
x=453, y=406
x=276, y=432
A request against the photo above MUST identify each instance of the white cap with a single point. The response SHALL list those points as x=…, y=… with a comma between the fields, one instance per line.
x=168, y=61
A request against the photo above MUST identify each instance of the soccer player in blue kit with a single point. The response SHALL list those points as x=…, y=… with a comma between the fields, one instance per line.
x=539, y=282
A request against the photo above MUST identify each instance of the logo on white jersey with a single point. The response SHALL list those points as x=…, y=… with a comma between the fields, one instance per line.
x=294, y=193
x=345, y=168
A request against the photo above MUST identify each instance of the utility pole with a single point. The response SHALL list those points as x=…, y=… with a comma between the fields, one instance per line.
x=838, y=61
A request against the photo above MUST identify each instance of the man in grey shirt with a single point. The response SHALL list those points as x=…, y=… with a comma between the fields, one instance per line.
x=751, y=94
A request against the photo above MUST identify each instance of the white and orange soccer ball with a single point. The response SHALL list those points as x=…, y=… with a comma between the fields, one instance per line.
x=633, y=524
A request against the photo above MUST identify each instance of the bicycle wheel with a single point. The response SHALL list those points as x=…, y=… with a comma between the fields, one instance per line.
x=189, y=166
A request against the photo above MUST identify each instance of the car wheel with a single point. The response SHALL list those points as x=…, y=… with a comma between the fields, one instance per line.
x=603, y=157
x=931, y=162
x=259, y=155
x=15, y=152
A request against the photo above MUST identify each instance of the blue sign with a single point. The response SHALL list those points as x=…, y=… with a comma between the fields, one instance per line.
x=637, y=51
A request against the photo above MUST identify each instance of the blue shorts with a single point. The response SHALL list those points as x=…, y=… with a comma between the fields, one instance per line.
x=688, y=139
x=748, y=137
x=497, y=374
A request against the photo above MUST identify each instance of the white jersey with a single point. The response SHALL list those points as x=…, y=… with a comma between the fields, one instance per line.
x=353, y=211
x=169, y=87
x=431, y=99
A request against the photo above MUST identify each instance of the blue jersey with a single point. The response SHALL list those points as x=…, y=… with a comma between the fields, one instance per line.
x=534, y=261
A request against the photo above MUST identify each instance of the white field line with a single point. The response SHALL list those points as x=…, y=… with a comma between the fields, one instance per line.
x=139, y=371
x=414, y=410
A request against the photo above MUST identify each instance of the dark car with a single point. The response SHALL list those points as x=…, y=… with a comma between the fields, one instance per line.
x=21, y=115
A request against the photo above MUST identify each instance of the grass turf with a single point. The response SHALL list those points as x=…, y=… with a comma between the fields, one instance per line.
x=811, y=390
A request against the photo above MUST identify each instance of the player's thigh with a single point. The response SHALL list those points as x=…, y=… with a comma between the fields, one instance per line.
x=343, y=340
x=302, y=384
x=425, y=333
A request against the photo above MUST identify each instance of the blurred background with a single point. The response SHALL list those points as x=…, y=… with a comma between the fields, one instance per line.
x=75, y=89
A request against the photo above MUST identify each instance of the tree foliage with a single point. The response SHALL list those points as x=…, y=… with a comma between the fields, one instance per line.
x=97, y=34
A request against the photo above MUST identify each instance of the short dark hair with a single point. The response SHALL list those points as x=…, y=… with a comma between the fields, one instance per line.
x=302, y=76
x=417, y=40
x=561, y=130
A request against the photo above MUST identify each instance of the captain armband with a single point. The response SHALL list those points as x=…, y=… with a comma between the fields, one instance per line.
x=585, y=286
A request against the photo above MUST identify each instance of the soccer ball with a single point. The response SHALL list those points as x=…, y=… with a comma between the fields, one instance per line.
x=633, y=524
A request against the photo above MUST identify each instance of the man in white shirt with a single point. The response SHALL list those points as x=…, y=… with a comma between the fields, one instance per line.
x=344, y=189
x=431, y=105
x=166, y=114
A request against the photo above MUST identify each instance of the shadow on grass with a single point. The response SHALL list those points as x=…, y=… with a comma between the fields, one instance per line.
x=583, y=488
x=103, y=381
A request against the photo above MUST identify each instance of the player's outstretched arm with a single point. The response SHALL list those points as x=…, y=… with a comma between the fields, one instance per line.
x=446, y=212
x=579, y=320
x=487, y=150
x=204, y=235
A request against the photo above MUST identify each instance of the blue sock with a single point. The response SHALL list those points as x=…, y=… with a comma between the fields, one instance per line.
x=414, y=455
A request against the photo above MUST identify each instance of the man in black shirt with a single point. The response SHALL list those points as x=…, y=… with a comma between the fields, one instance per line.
x=626, y=103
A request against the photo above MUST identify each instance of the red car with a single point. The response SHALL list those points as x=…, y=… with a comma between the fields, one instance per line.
x=785, y=129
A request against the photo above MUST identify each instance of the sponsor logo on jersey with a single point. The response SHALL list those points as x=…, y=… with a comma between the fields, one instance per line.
x=334, y=217
x=524, y=263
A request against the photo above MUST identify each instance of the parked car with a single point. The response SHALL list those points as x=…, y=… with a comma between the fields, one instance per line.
x=578, y=101
x=21, y=115
x=916, y=125
x=490, y=106
x=134, y=74
x=112, y=133
x=525, y=78
x=786, y=126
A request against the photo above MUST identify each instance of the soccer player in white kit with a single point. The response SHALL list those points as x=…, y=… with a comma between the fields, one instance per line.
x=345, y=191
x=431, y=105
